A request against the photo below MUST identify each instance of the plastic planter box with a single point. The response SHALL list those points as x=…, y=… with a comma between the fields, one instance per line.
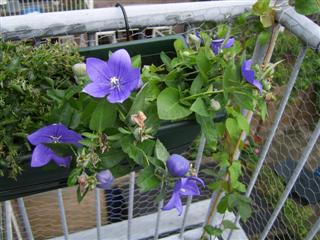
x=176, y=136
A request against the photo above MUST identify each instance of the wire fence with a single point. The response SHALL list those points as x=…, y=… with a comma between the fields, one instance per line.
x=299, y=215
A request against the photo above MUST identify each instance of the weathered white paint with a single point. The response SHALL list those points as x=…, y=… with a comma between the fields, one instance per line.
x=102, y=19
x=143, y=227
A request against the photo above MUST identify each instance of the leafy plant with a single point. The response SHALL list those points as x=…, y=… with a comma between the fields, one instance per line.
x=28, y=76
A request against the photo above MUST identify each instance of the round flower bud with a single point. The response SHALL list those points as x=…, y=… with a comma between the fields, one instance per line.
x=79, y=69
x=215, y=105
x=105, y=179
x=177, y=165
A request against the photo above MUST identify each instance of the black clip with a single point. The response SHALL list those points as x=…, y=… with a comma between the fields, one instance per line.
x=125, y=19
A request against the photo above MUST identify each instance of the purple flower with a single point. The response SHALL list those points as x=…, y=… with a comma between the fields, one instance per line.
x=105, y=179
x=183, y=187
x=248, y=75
x=177, y=165
x=115, y=78
x=217, y=44
x=55, y=133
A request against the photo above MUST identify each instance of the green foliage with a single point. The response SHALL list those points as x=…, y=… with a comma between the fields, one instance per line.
x=27, y=74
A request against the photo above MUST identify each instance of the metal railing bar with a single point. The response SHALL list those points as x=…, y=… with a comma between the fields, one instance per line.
x=314, y=230
x=98, y=213
x=156, y=231
x=197, y=167
x=63, y=215
x=25, y=218
x=130, y=202
x=304, y=158
x=8, y=223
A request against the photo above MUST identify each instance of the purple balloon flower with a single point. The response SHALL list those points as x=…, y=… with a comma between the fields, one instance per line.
x=183, y=187
x=55, y=133
x=115, y=78
x=105, y=179
x=217, y=44
x=177, y=165
x=248, y=75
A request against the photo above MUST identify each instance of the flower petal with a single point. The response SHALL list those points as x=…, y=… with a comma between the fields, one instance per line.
x=118, y=95
x=229, y=43
x=42, y=135
x=97, y=70
x=61, y=161
x=174, y=202
x=119, y=63
x=131, y=79
x=97, y=90
x=41, y=156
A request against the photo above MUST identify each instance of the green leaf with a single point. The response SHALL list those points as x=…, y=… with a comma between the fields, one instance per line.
x=232, y=127
x=260, y=7
x=208, y=129
x=136, y=61
x=73, y=176
x=161, y=152
x=200, y=107
x=169, y=107
x=104, y=116
x=196, y=85
x=227, y=224
x=146, y=180
x=112, y=158
x=62, y=149
x=213, y=231
x=243, y=123
x=203, y=62
x=307, y=7
x=166, y=60
x=268, y=18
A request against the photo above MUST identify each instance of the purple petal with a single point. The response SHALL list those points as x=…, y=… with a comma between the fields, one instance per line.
x=96, y=89
x=131, y=79
x=97, y=70
x=118, y=95
x=105, y=179
x=41, y=156
x=61, y=161
x=229, y=43
x=174, y=202
x=119, y=63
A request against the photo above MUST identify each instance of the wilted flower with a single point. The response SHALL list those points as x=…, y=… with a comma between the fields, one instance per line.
x=183, y=187
x=115, y=79
x=139, y=119
x=105, y=179
x=249, y=76
x=217, y=44
x=215, y=105
x=55, y=133
x=177, y=165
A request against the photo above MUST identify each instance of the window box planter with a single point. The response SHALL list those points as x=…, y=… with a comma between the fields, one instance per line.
x=176, y=136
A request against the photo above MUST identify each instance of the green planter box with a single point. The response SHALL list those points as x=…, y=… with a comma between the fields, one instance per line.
x=176, y=136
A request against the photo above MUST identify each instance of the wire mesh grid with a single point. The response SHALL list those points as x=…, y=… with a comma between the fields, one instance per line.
x=301, y=115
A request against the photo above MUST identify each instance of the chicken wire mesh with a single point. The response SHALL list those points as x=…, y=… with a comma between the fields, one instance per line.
x=302, y=113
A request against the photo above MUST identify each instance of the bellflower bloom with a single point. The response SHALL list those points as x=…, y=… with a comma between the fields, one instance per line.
x=249, y=76
x=183, y=187
x=177, y=165
x=115, y=79
x=105, y=179
x=217, y=44
x=55, y=133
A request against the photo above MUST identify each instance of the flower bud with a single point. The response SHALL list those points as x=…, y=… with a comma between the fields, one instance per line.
x=215, y=105
x=79, y=69
x=177, y=165
x=105, y=179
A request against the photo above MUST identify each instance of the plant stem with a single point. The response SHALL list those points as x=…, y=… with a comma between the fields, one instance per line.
x=202, y=94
